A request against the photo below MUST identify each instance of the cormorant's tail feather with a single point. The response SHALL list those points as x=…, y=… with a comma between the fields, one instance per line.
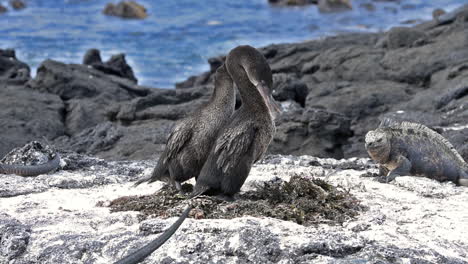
x=157, y=174
x=198, y=190
x=140, y=181
x=142, y=253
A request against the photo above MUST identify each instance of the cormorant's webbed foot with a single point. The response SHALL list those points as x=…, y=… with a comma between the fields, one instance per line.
x=225, y=197
x=390, y=177
x=178, y=187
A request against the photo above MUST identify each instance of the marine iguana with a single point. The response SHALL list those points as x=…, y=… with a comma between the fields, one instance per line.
x=239, y=144
x=190, y=141
x=405, y=148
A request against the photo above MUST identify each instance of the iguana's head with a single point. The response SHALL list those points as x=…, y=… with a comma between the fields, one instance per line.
x=378, y=145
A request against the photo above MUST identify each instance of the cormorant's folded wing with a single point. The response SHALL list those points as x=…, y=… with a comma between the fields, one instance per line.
x=232, y=145
x=177, y=139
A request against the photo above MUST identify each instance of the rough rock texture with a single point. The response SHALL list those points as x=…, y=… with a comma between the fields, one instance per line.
x=2, y=9
x=334, y=90
x=14, y=237
x=63, y=218
x=292, y=2
x=126, y=9
x=399, y=37
x=116, y=65
x=324, y=6
x=86, y=92
x=311, y=131
x=33, y=153
x=327, y=6
x=12, y=71
x=25, y=115
x=17, y=4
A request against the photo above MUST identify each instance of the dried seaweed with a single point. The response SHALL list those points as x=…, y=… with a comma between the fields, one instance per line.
x=300, y=200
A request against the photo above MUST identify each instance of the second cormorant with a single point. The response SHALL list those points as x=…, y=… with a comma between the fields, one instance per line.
x=191, y=139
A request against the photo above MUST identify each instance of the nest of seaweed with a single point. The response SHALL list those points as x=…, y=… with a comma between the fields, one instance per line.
x=303, y=201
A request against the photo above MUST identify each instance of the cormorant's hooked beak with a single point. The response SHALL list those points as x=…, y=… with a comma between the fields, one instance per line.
x=273, y=106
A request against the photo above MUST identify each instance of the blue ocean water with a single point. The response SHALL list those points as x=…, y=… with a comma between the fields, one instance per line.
x=178, y=37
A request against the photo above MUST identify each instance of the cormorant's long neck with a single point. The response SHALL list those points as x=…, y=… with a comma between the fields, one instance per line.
x=224, y=93
x=251, y=98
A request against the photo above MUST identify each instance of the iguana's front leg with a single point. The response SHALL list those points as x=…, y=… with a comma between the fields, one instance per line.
x=403, y=167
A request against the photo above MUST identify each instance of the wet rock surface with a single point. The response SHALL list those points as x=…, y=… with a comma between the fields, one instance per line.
x=333, y=91
x=12, y=71
x=116, y=65
x=292, y=2
x=17, y=4
x=126, y=9
x=63, y=217
x=329, y=6
x=2, y=9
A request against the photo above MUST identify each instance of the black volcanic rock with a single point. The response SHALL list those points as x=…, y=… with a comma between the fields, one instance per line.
x=310, y=131
x=216, y=62
x=126, y=9
x=17, y=4
x=25, y=115
x=194, y=81
x=292, y=2
x=399, y=37
x=116, y=65
x=329, y=6
x=285, y=87
x=28, y=115
x=92, y=56
x=12, y=70
x=88, y=92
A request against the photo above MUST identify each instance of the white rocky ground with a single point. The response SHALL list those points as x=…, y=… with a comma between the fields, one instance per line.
x=55, y=219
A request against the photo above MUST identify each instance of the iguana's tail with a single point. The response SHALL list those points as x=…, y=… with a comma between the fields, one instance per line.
x=142, y=253
x=31, y=170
